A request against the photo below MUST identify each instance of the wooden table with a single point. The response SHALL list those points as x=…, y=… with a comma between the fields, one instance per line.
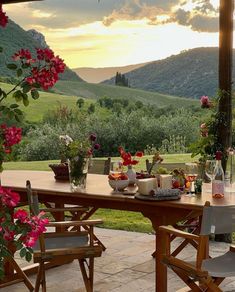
x=99, y=194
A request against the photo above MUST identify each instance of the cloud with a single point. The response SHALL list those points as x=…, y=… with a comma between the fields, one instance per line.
x=199, y=15
x=138, y=9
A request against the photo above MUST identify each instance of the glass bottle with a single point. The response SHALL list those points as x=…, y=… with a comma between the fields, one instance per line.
x=218, y=178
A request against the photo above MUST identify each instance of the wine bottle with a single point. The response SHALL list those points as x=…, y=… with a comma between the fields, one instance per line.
x=218, y=178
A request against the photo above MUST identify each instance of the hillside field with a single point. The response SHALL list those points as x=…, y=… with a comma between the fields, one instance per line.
x=49, y=101
x=94, y=91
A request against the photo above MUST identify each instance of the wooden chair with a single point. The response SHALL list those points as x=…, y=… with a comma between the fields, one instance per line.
x=97, y=166
x=56, y=248
x=207, y=273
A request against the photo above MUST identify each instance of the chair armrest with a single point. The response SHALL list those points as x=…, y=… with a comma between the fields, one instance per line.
x=189, y=268
x=178, y=233
x=74, y=223
x=72, y=209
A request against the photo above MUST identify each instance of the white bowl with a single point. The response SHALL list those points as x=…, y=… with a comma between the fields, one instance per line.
x=120, y=185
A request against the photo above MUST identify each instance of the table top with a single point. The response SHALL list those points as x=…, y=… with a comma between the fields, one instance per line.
x=98, y=189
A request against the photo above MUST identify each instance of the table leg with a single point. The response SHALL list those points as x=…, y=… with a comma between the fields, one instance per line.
x=160, y=268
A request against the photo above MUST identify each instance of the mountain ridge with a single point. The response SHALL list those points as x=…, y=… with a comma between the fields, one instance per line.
x=191, y=73
x=13, y=38
x=97, y=75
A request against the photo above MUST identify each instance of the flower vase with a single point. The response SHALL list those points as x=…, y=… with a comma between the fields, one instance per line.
x=131, y=175
x=78, y=169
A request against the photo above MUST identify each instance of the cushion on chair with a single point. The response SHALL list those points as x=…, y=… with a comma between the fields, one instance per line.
x=222, y=266
x=64, y=242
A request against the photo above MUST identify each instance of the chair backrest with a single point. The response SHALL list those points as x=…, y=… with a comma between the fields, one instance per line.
x=218, y=220
x=32, y=199
x=99, y=166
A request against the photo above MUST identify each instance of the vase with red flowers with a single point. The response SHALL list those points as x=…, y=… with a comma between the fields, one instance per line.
x=129, y=160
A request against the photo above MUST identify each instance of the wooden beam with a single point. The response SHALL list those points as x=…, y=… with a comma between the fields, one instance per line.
x=16, y=1
x=225, y=72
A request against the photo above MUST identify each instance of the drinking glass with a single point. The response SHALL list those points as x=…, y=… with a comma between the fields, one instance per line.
x=191, y=171
x=116, y=173
x=209, y=168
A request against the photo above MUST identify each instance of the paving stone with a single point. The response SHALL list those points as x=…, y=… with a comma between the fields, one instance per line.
x=125, y=266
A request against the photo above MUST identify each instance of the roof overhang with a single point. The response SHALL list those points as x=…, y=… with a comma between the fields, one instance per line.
x=16, y=1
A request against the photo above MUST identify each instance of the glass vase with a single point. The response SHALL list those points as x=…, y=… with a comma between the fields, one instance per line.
x=131, y=175
x=78, y=169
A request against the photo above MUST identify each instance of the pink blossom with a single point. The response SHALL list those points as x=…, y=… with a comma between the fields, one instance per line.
x=12, y=135
x=3, y=17
x=30, y=241
x=22, y=216
x=8, y=235
x=8, y=197
x=205, y=102
x=23, y=54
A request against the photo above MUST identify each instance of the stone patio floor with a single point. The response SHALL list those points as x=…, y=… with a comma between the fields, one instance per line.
x=125, y=266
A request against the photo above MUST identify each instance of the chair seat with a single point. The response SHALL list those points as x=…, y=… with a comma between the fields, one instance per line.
x=222, y=266
x=64, y=242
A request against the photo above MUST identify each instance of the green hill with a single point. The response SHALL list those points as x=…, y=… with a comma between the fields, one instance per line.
x=48, y=101
x=13, y=38
x=192, y=74
x=94, y=91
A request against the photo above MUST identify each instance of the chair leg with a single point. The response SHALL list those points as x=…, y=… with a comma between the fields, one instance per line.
x=21, y=274
x=88, y=279
x=41, y=278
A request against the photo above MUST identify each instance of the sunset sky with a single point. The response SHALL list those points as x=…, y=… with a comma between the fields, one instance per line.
x=88, y=33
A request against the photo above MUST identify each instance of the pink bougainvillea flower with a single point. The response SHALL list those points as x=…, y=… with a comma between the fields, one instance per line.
x=21, y=215
x=8, y=235
x=205, y=102
x=23, y=54
x=12, y=135
x=9, y=198
x=3, y=17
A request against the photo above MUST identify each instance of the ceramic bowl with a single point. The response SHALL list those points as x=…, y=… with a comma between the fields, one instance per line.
x=118, y=184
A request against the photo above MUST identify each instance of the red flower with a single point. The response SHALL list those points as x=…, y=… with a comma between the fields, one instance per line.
x=22, y=215
x=3, y=17
x=127, y=158
x=205, y=102
x=139, y=154
x=8, y=197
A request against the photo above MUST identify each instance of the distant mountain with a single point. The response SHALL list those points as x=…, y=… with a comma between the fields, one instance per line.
x=13, y=38
x=97, y=75
x=192, y=73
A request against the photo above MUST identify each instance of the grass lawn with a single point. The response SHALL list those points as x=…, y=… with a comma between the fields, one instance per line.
x=113, y=219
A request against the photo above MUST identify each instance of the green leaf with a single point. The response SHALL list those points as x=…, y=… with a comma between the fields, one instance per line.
x=18, y=95
x=14, y=105
x=12, y=66
x=25, y=100
x=18, y=112
x=23, y=252
x=19, y=72
x=1, y=49
x=35, y=94
x=25, y=66
x=2, y=108
x=26, y=87
x=28, y=256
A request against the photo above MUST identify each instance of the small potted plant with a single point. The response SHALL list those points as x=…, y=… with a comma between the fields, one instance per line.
x=61, y=170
